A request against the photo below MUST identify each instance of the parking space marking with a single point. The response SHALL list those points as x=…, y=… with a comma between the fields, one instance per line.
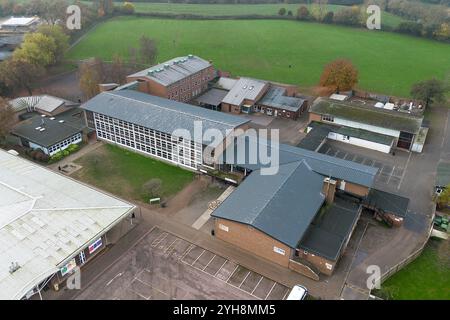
x=245, y=278
x=231, y=274
x=155, y=244
x=390, y=175
x=209, y=262
x=270, y=291
x=328, y=151
x=170, y=246
x=217, y=272
x=198, y=257
x=285, y=295
x=404, y=171
x=188, y=250
x=257, y=284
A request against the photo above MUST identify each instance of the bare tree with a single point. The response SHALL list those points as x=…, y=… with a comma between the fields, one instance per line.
x=7, y=118
x=148, y=50
x=91, y=74
x=18, y=74
x=117, y=72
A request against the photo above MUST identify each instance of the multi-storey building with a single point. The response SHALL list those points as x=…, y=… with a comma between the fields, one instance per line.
x=164, y=129
x=180, y=79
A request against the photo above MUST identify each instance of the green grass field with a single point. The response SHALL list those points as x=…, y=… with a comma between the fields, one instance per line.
x=427, y=277
x=123, y=173
x=388, y=63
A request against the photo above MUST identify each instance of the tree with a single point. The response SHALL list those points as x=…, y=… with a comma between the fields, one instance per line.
x=152, y=187
x=17, y=74
x=282, y=11
x=328, y=18
x=127, y=8
x=339, y=75
x=91, y=74
x=117, y=72
x=61, y=39
x=148, y=50
x=51, y=11
x=37, y=49
x=320, y=7
x=429, y=91
x=289, y=13
x=303, y=13
x=7, y=118
x=348, y=16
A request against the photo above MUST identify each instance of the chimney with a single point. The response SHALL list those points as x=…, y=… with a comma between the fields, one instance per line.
x=329, y=189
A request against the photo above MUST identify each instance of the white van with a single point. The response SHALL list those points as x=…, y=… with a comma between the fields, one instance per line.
x=298, y=292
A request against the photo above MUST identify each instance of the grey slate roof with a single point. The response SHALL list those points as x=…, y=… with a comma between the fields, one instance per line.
x=275, y=98
x=281, y=205
x=330, y=229
x=54, y=130
x=174, y=70
x=389, y=119
x=160, y=114
x=388, y=202
x=212, y=97
x=244, y=88
x=320, y=163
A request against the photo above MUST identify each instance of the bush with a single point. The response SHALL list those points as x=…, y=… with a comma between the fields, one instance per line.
x=127, y=8
x=289, y=13
x=282, y=11
x=328, y=17
x=303, y=13
x=410, y=27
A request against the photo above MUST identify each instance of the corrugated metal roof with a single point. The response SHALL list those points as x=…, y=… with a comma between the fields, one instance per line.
x=46, y=219
x=44, y=102
x=212, y=97
x=244, y=88
x=161, y=114
x=320, y=163
x=19, y=21
x=275, y=97
x=174, y=70
x=367, y=114
x=281, y=205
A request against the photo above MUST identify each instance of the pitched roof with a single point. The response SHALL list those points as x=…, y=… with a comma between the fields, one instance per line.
x=212, y=97
x=353, y=111
x=174, y=70
x=44, y=102
x=19, y=21
x=281, y=205
x=320, y=163
x=161, y=114
x=244, y=88
x=388, y=202
x=45, y=220
x=54, y=132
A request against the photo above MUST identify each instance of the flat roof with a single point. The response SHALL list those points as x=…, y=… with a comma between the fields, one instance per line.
x=353, y=111
x=54, y=132
x=45, y=220
x=212, y=97
x=161, y=114
x=331, y=228
x=275, y=97
x=174, y=70
x=19, y=21
x=281, y=205
x=323, y=164
x=244, y=89
x=388, y=202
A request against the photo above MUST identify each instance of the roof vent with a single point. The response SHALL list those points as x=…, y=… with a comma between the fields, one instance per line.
x=251, y=88
x=14, y=267
x=52, y=118
x=43, y=115
x=42, y=129
x=190, y=56
x=38, y=128
x=61, y=121
x=166, y=65
x=151, y=72
x=244, y=87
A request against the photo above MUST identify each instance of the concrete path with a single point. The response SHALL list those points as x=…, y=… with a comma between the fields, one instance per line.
x=207, y=214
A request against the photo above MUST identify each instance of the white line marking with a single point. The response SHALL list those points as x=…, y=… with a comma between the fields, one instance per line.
x=257, y=284
x=390, y=175
x=154, y=245
x=209, y=262
x=287, y=291
x=220, y=268
x=270, y=290
x=244, y=279
x=165, y=251
x=188, y=250
x=116, y=276
x=198, y=257
x=404, y=171
x=232, y=273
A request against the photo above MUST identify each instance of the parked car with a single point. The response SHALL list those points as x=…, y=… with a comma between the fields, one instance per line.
x=298, y=292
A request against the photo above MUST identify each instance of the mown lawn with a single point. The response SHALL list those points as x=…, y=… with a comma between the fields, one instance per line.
x=270, y=9
x=427, y=277
x=286, y=51
x=123, y=173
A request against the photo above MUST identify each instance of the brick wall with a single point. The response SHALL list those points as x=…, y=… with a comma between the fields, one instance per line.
x=252, y=240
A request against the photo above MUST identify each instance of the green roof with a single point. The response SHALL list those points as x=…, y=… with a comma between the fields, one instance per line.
x=367, y=114
x=443, y=174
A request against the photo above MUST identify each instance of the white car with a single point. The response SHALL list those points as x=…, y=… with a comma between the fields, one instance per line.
x=298, y=292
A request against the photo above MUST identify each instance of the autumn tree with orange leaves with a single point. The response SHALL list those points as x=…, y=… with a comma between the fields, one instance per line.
x=339, y=75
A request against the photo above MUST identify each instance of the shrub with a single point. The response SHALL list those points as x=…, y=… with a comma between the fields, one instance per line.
x=328, y=17
x=303, y=13
x=127, y=8
x=282, y=11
